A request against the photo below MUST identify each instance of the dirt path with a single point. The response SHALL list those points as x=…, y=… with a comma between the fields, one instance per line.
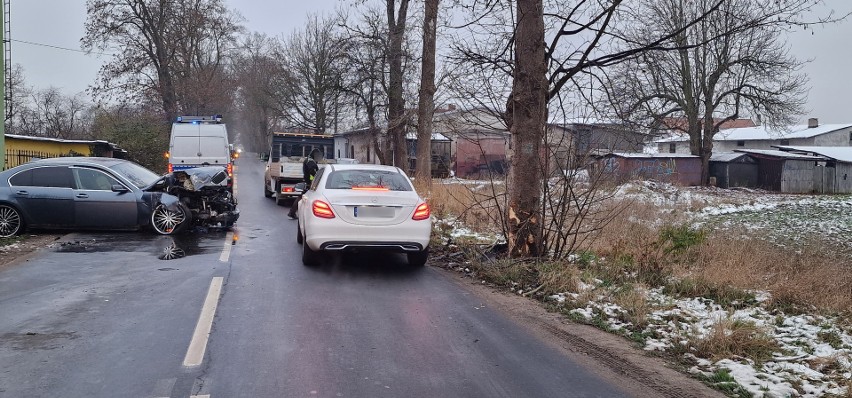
x=611, y=356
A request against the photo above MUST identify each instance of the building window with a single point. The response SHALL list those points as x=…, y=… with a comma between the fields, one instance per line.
x=740, y=143
x=785, y=142
x=672, y=148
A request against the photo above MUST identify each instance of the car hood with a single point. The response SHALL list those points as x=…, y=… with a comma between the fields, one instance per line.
x=193, y=179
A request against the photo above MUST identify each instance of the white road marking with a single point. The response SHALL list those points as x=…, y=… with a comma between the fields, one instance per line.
x=226, y=249
x=198, y=344
x=200, y=396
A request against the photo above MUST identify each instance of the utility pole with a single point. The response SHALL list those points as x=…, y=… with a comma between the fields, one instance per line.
x=3, y=86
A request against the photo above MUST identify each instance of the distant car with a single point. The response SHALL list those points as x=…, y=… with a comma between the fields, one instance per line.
x=106, y=193
x=352, y=207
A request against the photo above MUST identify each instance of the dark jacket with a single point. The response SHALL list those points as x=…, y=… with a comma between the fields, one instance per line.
x=309, y=170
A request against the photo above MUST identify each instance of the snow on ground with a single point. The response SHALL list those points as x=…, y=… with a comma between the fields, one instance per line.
x=456, y=230
x=814, y=354
x=814, y=357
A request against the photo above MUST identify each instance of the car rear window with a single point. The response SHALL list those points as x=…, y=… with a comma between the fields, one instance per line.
x=380, y=180
x=50, y=177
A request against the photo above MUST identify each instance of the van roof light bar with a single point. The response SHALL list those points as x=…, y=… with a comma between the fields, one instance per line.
x=199, y=119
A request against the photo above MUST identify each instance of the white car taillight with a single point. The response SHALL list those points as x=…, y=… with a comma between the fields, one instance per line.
x=422, y=212
x=322, y=209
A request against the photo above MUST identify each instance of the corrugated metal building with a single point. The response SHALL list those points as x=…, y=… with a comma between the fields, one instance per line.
x=784, y=171
x=733, y=170
x=673, y=168
x=835, y=175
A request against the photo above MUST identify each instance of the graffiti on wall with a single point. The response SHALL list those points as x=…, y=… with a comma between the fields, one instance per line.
x=656, y=168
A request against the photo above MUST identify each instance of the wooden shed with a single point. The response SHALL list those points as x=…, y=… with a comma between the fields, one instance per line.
x=734, y=170
x=673, y=168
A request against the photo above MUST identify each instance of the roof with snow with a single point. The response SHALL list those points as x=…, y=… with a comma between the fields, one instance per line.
x=764, y=133
x=640, y=155
x=435, y=137
x=839, y=153
x=779, y=154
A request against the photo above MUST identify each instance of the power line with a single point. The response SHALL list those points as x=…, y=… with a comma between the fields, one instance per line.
x=57, y=47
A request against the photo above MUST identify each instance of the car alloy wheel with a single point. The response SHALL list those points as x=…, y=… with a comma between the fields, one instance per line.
x=10, y=221
x=168, y=222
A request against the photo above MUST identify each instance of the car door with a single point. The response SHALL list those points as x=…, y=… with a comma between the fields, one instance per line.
x=45, y=195
x=96, y=205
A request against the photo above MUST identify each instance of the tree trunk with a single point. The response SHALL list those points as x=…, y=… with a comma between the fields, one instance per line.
x=396, y=102
x=426, y=106
x=528, y=111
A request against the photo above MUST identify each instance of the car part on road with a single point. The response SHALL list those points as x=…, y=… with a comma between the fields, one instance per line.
x=10, y=221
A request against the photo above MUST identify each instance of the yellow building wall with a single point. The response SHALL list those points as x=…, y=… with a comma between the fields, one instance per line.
x=20, y=151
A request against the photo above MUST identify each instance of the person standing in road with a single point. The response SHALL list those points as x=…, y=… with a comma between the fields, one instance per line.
x=309, y=171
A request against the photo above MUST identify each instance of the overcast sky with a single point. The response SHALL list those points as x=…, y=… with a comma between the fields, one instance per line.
x=60, y=23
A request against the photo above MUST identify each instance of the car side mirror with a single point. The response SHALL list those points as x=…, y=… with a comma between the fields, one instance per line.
x=120, y=188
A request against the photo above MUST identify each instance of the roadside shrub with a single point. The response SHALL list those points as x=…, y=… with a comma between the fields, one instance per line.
x=724, y=295
x=558, y=277
x=729, y=338
x=678, y=239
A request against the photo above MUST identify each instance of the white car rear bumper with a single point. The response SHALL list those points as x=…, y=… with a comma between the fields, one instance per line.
x=335, y=235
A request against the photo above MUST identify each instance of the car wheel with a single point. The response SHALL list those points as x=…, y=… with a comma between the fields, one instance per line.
x=418, y=259
x=299, y=238
x=266, y=192
x=170, y=222
x=11, y=221
x=309, y=256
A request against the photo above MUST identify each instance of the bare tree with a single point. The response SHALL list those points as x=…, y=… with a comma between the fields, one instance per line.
x=366, y=78
x=426, y=105
x=527, y=108
x=18, y=97
x=307, y=85
x=584, y=39
x=164, y=48
x=717, y=74
x=397, y=19
x=254, y=68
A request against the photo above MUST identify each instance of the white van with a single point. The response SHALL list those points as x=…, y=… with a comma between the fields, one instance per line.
x=199, y=141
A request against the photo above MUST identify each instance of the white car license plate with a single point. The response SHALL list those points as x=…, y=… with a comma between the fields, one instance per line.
x=374, y=211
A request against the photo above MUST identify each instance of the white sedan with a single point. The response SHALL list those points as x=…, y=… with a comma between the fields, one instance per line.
x=353, y=207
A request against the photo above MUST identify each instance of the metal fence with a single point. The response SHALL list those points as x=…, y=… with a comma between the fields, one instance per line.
x=17, y=157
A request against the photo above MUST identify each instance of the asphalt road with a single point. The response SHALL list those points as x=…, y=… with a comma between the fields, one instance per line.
x=102, y=315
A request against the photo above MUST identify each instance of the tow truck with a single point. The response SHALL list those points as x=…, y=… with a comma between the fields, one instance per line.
x=284, y=167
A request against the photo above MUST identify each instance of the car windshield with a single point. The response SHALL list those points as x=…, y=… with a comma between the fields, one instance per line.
x=368, y=180
x=136, y=174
